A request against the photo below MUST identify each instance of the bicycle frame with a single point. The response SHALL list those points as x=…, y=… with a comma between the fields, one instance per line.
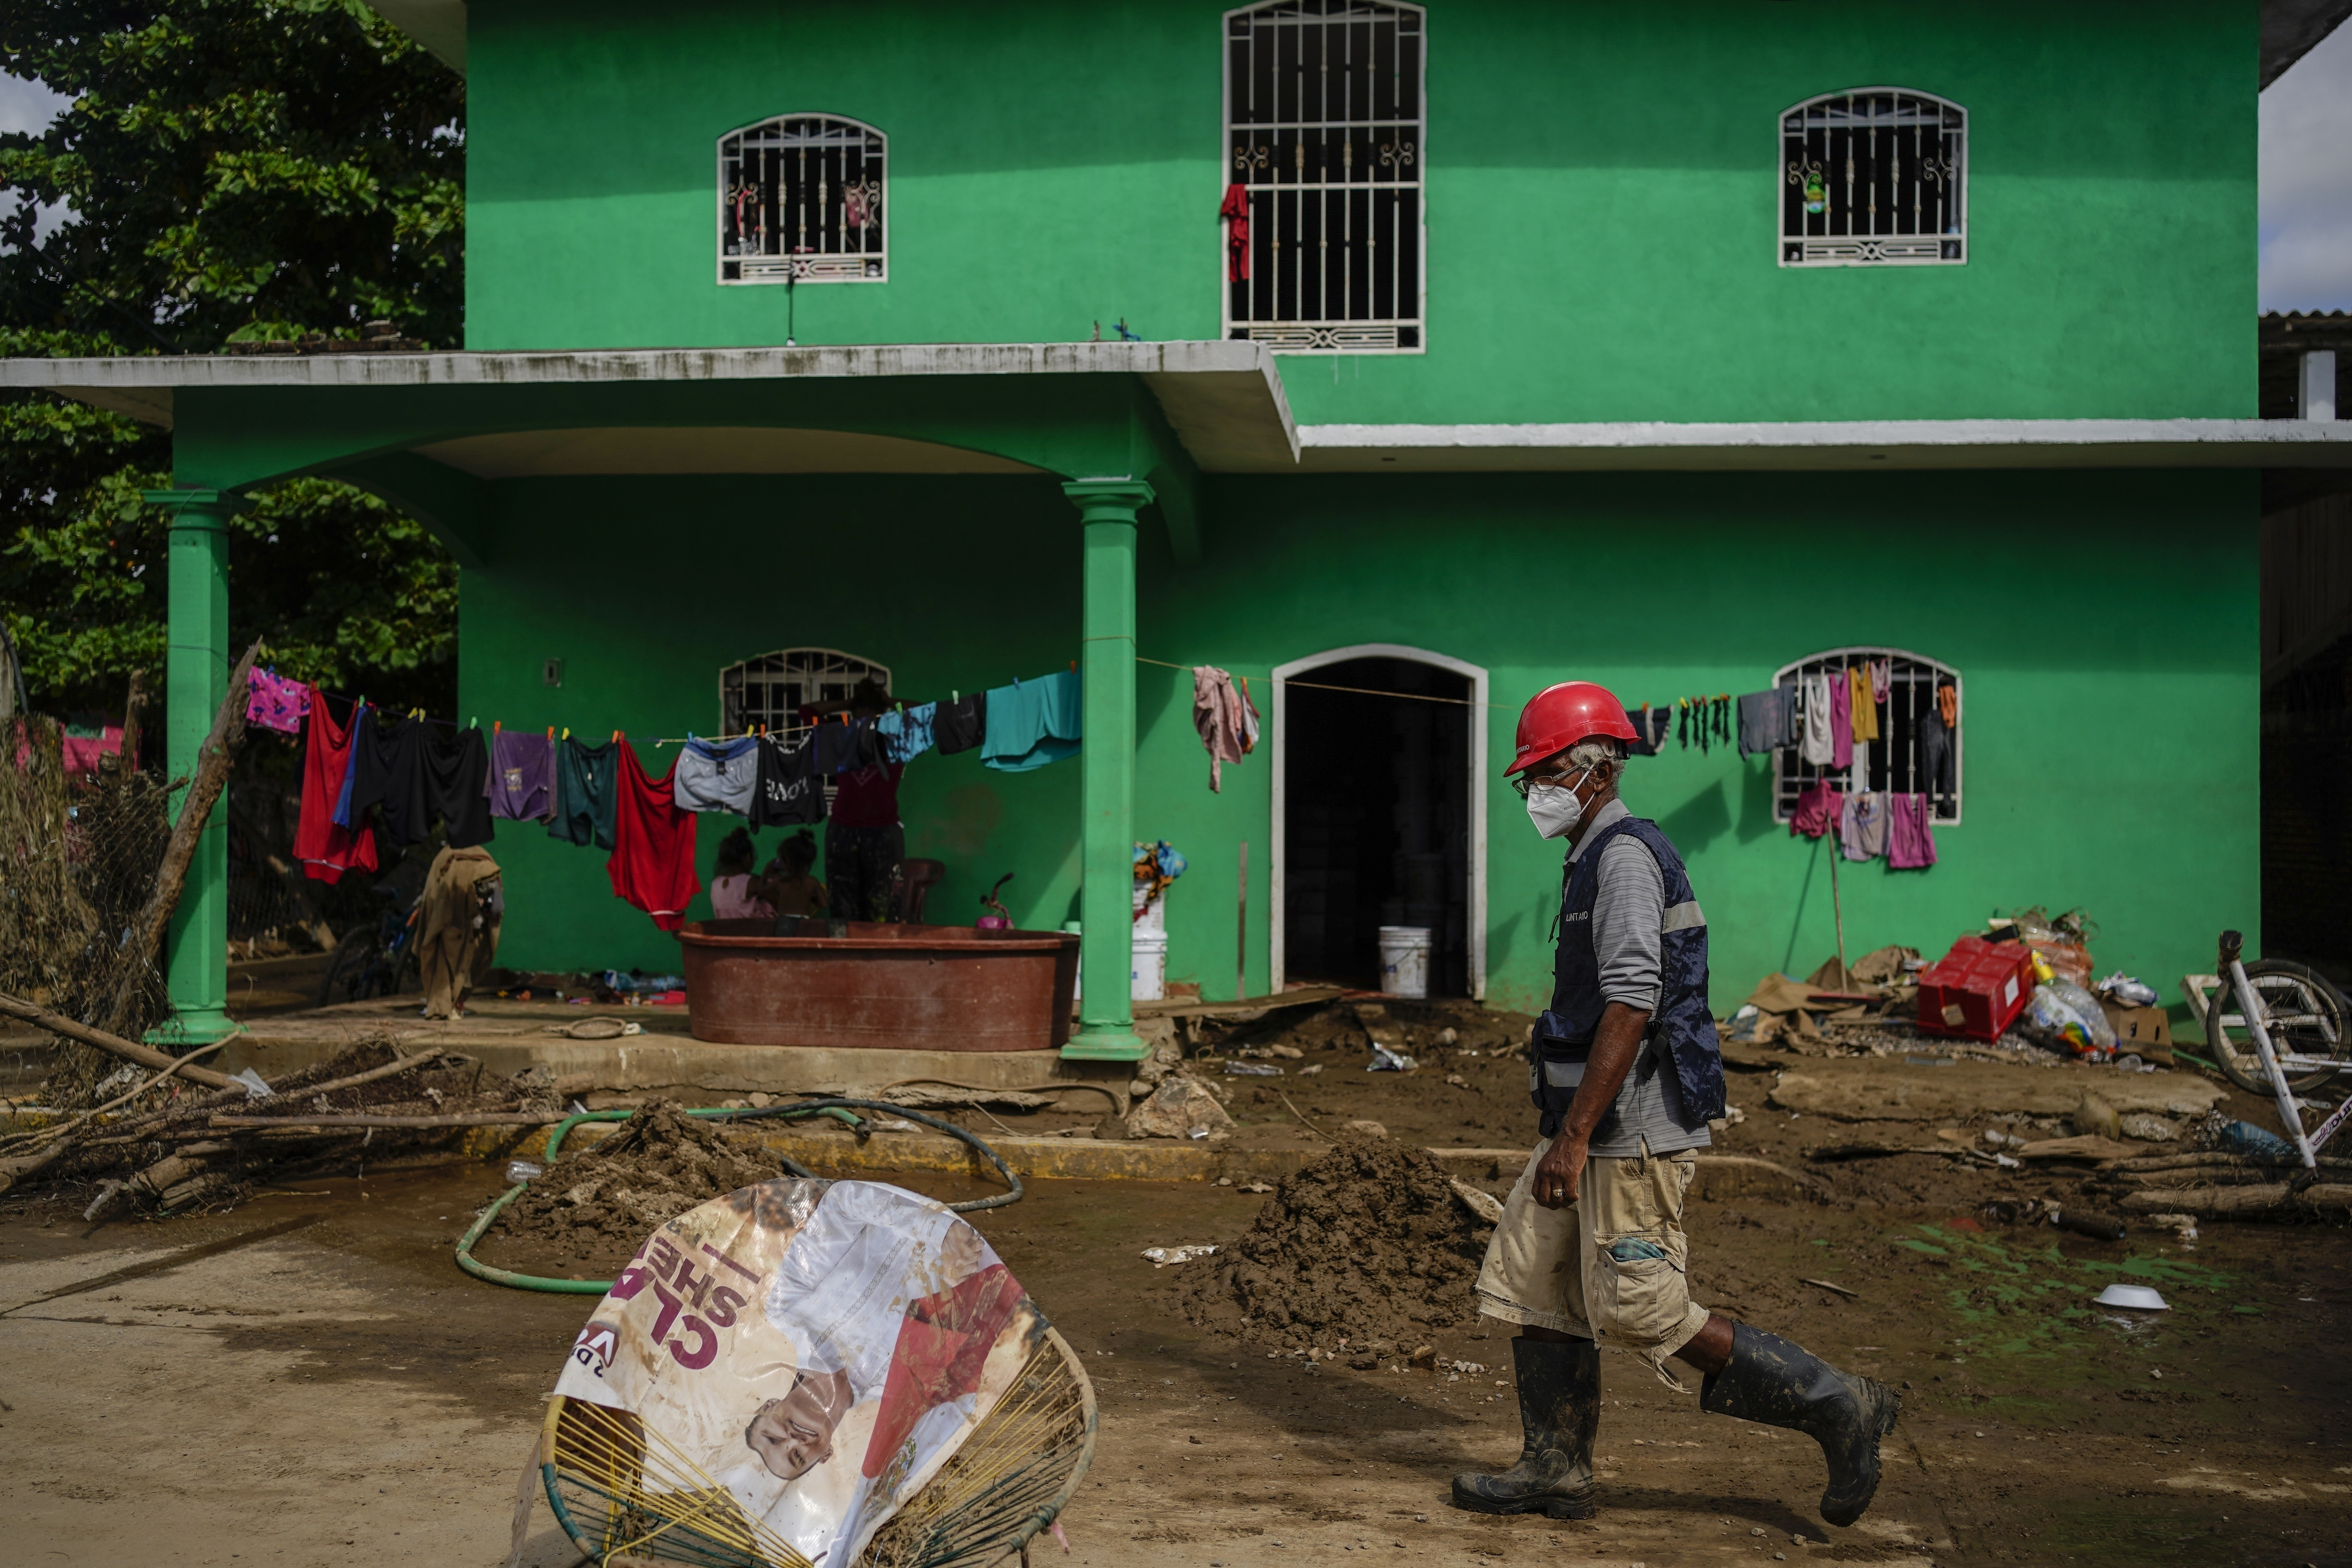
x=2251, y=1007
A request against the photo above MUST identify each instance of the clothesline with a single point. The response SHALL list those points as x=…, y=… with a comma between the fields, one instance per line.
x=1359, y=691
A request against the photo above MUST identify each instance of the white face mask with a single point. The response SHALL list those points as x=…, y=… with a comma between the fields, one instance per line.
x=1554, y=809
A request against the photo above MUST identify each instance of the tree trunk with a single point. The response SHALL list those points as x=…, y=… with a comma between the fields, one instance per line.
x=147, y=929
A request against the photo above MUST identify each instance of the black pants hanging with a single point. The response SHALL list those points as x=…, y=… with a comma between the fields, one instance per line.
x=864, y=872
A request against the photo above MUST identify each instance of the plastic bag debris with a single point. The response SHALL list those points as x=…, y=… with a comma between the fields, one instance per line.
x=251, y=1081
x=1161, y=1257
x=2218, y=1132
x=1386, y=1060
x=2127, y=991
x=520, y=1171
x=1252, y=1069
x=2062, y=1017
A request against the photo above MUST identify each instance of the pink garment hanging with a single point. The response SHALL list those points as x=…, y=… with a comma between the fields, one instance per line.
x=276, y=703
x=1217, y=715
x=1818, y=811
x=1881, y=678
x=1910, y=840
x=1841, y=721
x=79, y=753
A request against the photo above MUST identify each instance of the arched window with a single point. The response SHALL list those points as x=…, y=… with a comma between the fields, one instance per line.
x=1875, y=176
x=1323, y=115
x=801, y=199
x=771, y=690
x=1916, y=750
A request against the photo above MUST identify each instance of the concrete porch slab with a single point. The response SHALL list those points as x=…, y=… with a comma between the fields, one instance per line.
x=510, y=1036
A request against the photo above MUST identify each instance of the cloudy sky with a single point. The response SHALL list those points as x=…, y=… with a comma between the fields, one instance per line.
x=2306, y=180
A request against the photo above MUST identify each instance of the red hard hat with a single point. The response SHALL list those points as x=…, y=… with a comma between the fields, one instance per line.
x=1558, y=717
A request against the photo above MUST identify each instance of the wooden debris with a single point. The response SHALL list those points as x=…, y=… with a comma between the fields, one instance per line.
x=2275, y=1197
x=1827, y=1286
x=112, y=1044
x=2089, y=1146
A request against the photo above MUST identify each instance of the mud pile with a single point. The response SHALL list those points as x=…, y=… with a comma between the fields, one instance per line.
x=1369, y=1242
x=659, y=1164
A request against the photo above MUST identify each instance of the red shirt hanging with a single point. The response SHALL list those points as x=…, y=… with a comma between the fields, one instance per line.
x=653, y=844
x=1235, y=212
x=326, y=850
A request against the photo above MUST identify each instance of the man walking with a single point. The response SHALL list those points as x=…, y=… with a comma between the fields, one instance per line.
x=1626, y=1071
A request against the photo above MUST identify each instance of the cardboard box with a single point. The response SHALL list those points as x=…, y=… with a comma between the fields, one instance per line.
x=2141, y=1030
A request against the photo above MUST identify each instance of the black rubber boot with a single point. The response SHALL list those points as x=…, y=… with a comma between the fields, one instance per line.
x=1781, y=1385
x=1559, y=1411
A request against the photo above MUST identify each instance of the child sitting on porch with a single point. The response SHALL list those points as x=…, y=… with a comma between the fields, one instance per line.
x=789, y=886
x=735, y=893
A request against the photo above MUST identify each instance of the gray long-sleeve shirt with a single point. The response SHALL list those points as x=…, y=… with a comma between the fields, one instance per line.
x=1629, y=917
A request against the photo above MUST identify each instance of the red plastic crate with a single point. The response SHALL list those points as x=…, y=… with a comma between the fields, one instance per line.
x=1987, y=982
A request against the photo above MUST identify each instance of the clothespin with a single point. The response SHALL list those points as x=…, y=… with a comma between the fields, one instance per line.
x=495, y=725
x=953, y=695
x=616, y=735
x=550, y=734
x=474, y=725
x=567, y=731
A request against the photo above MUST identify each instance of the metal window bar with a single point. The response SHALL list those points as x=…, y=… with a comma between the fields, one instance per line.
x=1324, y=115
x=1895, y=762
x=1874, y=176
x=801, y=200
x=771, y=690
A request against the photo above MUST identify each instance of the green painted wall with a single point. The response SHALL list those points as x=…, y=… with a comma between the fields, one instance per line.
x=2089, y=614
x=1602, y=181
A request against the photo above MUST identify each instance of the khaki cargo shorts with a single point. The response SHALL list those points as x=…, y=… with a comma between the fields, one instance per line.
x=1610, y=1267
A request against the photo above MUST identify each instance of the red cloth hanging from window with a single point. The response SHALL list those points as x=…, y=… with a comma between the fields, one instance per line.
x=325, y=850
x=653, y=844
x=1235, y=212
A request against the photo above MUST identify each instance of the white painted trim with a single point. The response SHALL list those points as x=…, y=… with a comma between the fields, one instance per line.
x=1477, y=917
x=1226, y=400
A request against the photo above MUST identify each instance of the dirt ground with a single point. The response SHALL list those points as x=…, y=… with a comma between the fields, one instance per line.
x=337, y=1392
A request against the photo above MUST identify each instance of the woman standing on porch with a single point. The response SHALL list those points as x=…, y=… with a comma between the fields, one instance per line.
x=864, y=842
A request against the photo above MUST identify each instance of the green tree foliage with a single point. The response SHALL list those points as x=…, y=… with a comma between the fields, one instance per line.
x=225, y=170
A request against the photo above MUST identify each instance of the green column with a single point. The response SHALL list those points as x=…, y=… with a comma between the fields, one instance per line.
x=1105, y=901
x=195, y=679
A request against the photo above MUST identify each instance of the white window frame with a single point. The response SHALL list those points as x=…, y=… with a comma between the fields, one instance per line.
x=1944, y=246
x=863, y=265
x=818, y=668
x=1475, y=918
x=1790, y=774
x=1368, y=336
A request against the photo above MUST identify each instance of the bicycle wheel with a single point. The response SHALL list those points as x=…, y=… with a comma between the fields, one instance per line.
x=346, y=979
x=2310, y=1025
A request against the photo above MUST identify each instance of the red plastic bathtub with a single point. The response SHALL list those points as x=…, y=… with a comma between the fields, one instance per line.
x=900, y=987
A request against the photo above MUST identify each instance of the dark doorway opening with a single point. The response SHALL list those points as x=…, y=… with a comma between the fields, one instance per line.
x=1376, y=820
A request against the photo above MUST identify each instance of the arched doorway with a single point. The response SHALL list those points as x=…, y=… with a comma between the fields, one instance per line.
x=1385, y=821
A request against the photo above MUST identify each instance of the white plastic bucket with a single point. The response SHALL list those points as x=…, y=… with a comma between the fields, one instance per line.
x=1405, y=961
x=1150, y=976
x=1151, y=917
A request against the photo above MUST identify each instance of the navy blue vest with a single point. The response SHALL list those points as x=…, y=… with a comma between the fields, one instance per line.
x=1681, y=1022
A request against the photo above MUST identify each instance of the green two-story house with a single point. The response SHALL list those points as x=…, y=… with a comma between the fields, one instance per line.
x=1401, y=358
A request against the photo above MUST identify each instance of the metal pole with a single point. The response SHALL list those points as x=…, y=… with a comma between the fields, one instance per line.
x=1241, y=930
x=1836, y=908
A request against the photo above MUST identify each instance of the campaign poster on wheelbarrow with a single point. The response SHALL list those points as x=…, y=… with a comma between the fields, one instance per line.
x=816, y=1349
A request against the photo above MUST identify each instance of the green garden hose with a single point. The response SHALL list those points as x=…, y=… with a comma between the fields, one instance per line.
x=842, y=1108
